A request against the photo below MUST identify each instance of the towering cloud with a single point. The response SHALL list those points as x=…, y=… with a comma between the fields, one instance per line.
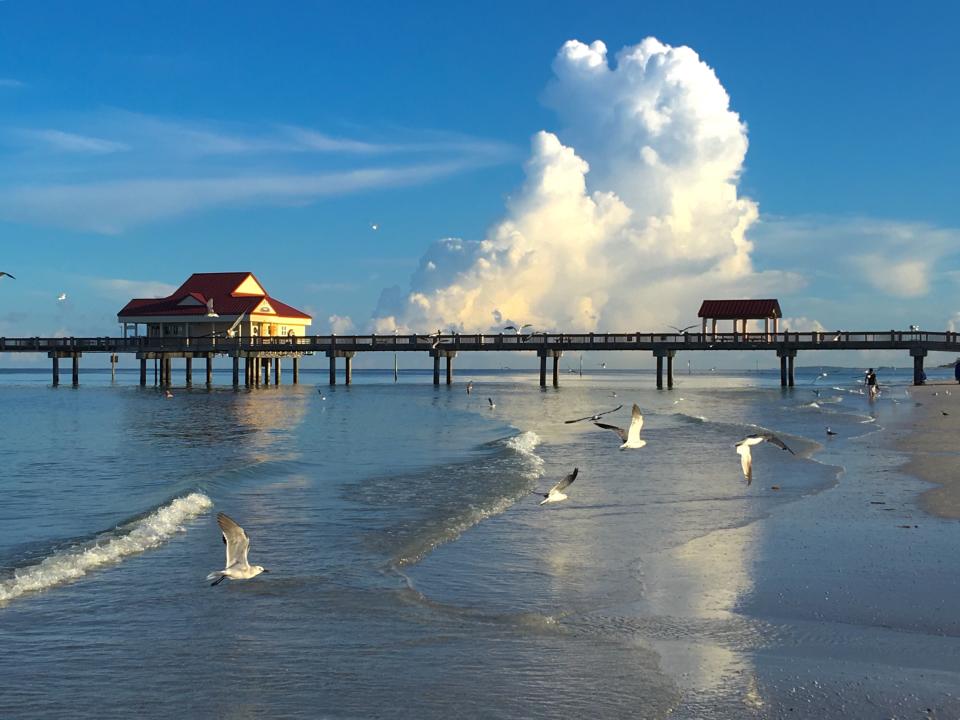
x=628, y=216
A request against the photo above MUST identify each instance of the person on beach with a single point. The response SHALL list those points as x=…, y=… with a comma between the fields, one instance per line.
x=872, y=386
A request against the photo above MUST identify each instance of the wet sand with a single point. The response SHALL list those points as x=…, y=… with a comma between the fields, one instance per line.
x=932, y=442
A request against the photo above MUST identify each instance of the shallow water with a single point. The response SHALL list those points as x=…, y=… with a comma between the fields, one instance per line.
x=413, y=573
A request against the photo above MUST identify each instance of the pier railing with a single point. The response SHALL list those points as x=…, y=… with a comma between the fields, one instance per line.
x=816, y=340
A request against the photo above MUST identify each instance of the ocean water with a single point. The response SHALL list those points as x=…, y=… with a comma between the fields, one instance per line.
x=414, y=574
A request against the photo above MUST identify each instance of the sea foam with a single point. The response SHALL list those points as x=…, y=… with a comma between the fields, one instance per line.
x=106, y=549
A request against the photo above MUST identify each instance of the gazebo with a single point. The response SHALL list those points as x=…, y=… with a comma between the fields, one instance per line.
x=739, y=311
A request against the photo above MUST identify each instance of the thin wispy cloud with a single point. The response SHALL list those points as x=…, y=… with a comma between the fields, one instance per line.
x=123, y=289
x=113, y=206
x=164, y=168
x=72, y=142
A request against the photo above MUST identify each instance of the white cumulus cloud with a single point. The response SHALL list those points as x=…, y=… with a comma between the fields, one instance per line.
x=629, y=214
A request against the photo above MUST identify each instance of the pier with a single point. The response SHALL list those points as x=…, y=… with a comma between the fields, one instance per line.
x=260, y=355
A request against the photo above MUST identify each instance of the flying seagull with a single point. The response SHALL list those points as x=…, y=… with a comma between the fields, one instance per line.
x=374, y=226
x=2, y=273
x=556, y=493
x=237, y=542
x=61, y=297
x=492, y=403
x=631, y=437
x=743, y=450
x=594, y=417
x=681, y=330
x=517, y=329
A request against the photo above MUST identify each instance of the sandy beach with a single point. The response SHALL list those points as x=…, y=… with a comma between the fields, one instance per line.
x=930, y=440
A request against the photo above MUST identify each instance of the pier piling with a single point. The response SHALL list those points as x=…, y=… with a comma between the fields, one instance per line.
x=143, y=372
x=209, y=378
x=56, y=371
x=188, y=370
x=76, y=369
x=236, y=371
x=296, y=370
x=333, y=368
x=436, y=368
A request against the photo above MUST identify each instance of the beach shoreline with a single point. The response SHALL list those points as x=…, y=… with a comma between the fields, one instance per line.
x=929, y=441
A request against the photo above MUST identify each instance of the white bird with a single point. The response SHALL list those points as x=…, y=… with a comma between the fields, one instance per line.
x=374, y=226
x=61, y=297
x=597, y=416
x=168, y=395
x=743, y=450
x=631, y=437
x=830, y=432
x=556, y=493
x=492, y=403
x=469, y=387
x=237, y=542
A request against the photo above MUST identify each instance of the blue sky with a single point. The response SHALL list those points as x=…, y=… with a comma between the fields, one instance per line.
x=140, y=142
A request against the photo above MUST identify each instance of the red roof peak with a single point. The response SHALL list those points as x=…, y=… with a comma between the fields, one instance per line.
x=740, y=309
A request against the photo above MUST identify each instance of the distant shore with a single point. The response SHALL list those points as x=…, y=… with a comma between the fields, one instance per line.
x=932, y=441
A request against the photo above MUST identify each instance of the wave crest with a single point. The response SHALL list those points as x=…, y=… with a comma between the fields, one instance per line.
x=106, y=549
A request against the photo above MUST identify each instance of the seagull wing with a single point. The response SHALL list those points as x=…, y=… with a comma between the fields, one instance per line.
x=490, y=400
x=618, y=430
x=595, y=416
x=2, y=273
x=636, y=424
x=746, y=461
x=235, y=539
x=773, y=439
x=566, y=482
x=509, y=327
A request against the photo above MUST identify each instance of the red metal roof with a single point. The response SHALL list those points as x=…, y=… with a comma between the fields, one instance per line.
x=202, y=287
x=740, y=309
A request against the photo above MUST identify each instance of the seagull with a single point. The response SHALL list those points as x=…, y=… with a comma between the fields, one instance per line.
x=612, y=394
x=556, y=492
x=594, y=417
x=168, y=395
x=681, y=330
x=743, y=450
x=322, y=396
x=517, y=329
x=829, y=431
x=631, y=438
x=603, y=365
x=61, y=297
x=237, y=542
x=492, y=403
x=944, y=412
x=821, y=375
x=374, y=226
x=2, y=273
x=469, y=387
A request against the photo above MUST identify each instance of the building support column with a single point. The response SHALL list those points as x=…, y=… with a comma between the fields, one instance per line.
x=786, y=366
x=156, y=371
x=348, y=368
x=783, y=370
x=436, y=369
x=659, y=372
x=543, y=369
x=333, y=368
x=556, y=368
x=450, y=357
x=247, y=371
x=76, y=369
x=56, y=371
x=669, y=371
x=143, y=372
x=188, y=370
x=790, y=360
x=266, y=371
x=296, y=370
x=209, y=377
x=918, y=354
x=168, y=374
x=236, y=371
x=276, y=371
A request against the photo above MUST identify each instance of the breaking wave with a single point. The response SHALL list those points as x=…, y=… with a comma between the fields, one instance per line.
x=108, y=548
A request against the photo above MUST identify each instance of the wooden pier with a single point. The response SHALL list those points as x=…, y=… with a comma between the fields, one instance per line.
x=260, y=355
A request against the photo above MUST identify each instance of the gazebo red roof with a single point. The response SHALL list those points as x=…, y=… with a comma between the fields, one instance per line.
x=221, y=287
x=740, y=309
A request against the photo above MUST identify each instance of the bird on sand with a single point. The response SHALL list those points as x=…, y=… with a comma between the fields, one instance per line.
x=2, y=273
x=631, y=436
x=597, y=416
x=830, y=432
x=469, y=387
x=743, y=450
x=238, y=544
x=492, y=403
x=556, y=493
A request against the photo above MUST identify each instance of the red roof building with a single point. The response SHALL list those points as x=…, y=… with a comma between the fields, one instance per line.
x=739, y=311
x=224, y=304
